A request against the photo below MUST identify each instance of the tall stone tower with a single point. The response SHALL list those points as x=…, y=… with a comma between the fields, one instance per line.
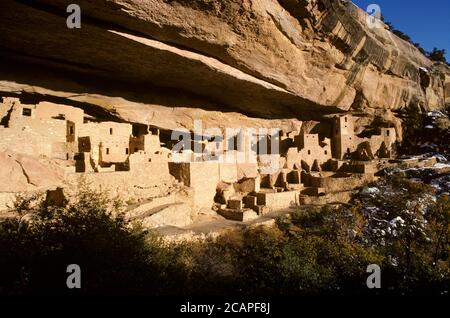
x=344, y=141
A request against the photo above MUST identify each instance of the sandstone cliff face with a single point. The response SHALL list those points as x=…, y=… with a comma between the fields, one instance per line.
x=227, y=62
x=25, y=173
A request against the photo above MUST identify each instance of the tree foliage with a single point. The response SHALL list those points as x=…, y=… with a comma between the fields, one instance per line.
x=37, y=247
x=437, y=55
x=311, y=251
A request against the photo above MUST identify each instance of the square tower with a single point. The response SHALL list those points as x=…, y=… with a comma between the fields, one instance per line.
x=344, y=139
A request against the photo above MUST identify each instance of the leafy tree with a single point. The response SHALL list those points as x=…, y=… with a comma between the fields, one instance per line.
x=437, y=55
x=313, y=251
x=420, y=48
x=439, y=222
x=396, y=216
x=413, y=126
x=406, y=226
x=90, y=231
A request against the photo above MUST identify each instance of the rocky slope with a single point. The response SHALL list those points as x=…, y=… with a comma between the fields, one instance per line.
x=227, y=62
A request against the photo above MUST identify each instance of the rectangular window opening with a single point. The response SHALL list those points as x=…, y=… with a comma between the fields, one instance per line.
x=26, y=112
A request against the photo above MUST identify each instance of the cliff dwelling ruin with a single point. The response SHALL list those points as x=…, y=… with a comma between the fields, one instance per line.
x=317, y=163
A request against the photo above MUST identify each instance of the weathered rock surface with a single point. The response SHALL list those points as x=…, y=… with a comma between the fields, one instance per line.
x=178, y=215
x=167, y=62
x=24, y=173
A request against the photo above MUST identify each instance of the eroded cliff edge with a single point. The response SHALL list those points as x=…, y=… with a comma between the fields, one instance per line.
x=229, y=63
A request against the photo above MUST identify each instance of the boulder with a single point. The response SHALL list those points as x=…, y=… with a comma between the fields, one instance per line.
x=23, y=173
x=225, y=192
x=12, y=176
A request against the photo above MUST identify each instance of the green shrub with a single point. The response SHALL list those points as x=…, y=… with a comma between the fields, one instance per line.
x=313, y=251
x=89, y=232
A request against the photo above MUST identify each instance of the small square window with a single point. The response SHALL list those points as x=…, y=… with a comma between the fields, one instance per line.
x=26, y=112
